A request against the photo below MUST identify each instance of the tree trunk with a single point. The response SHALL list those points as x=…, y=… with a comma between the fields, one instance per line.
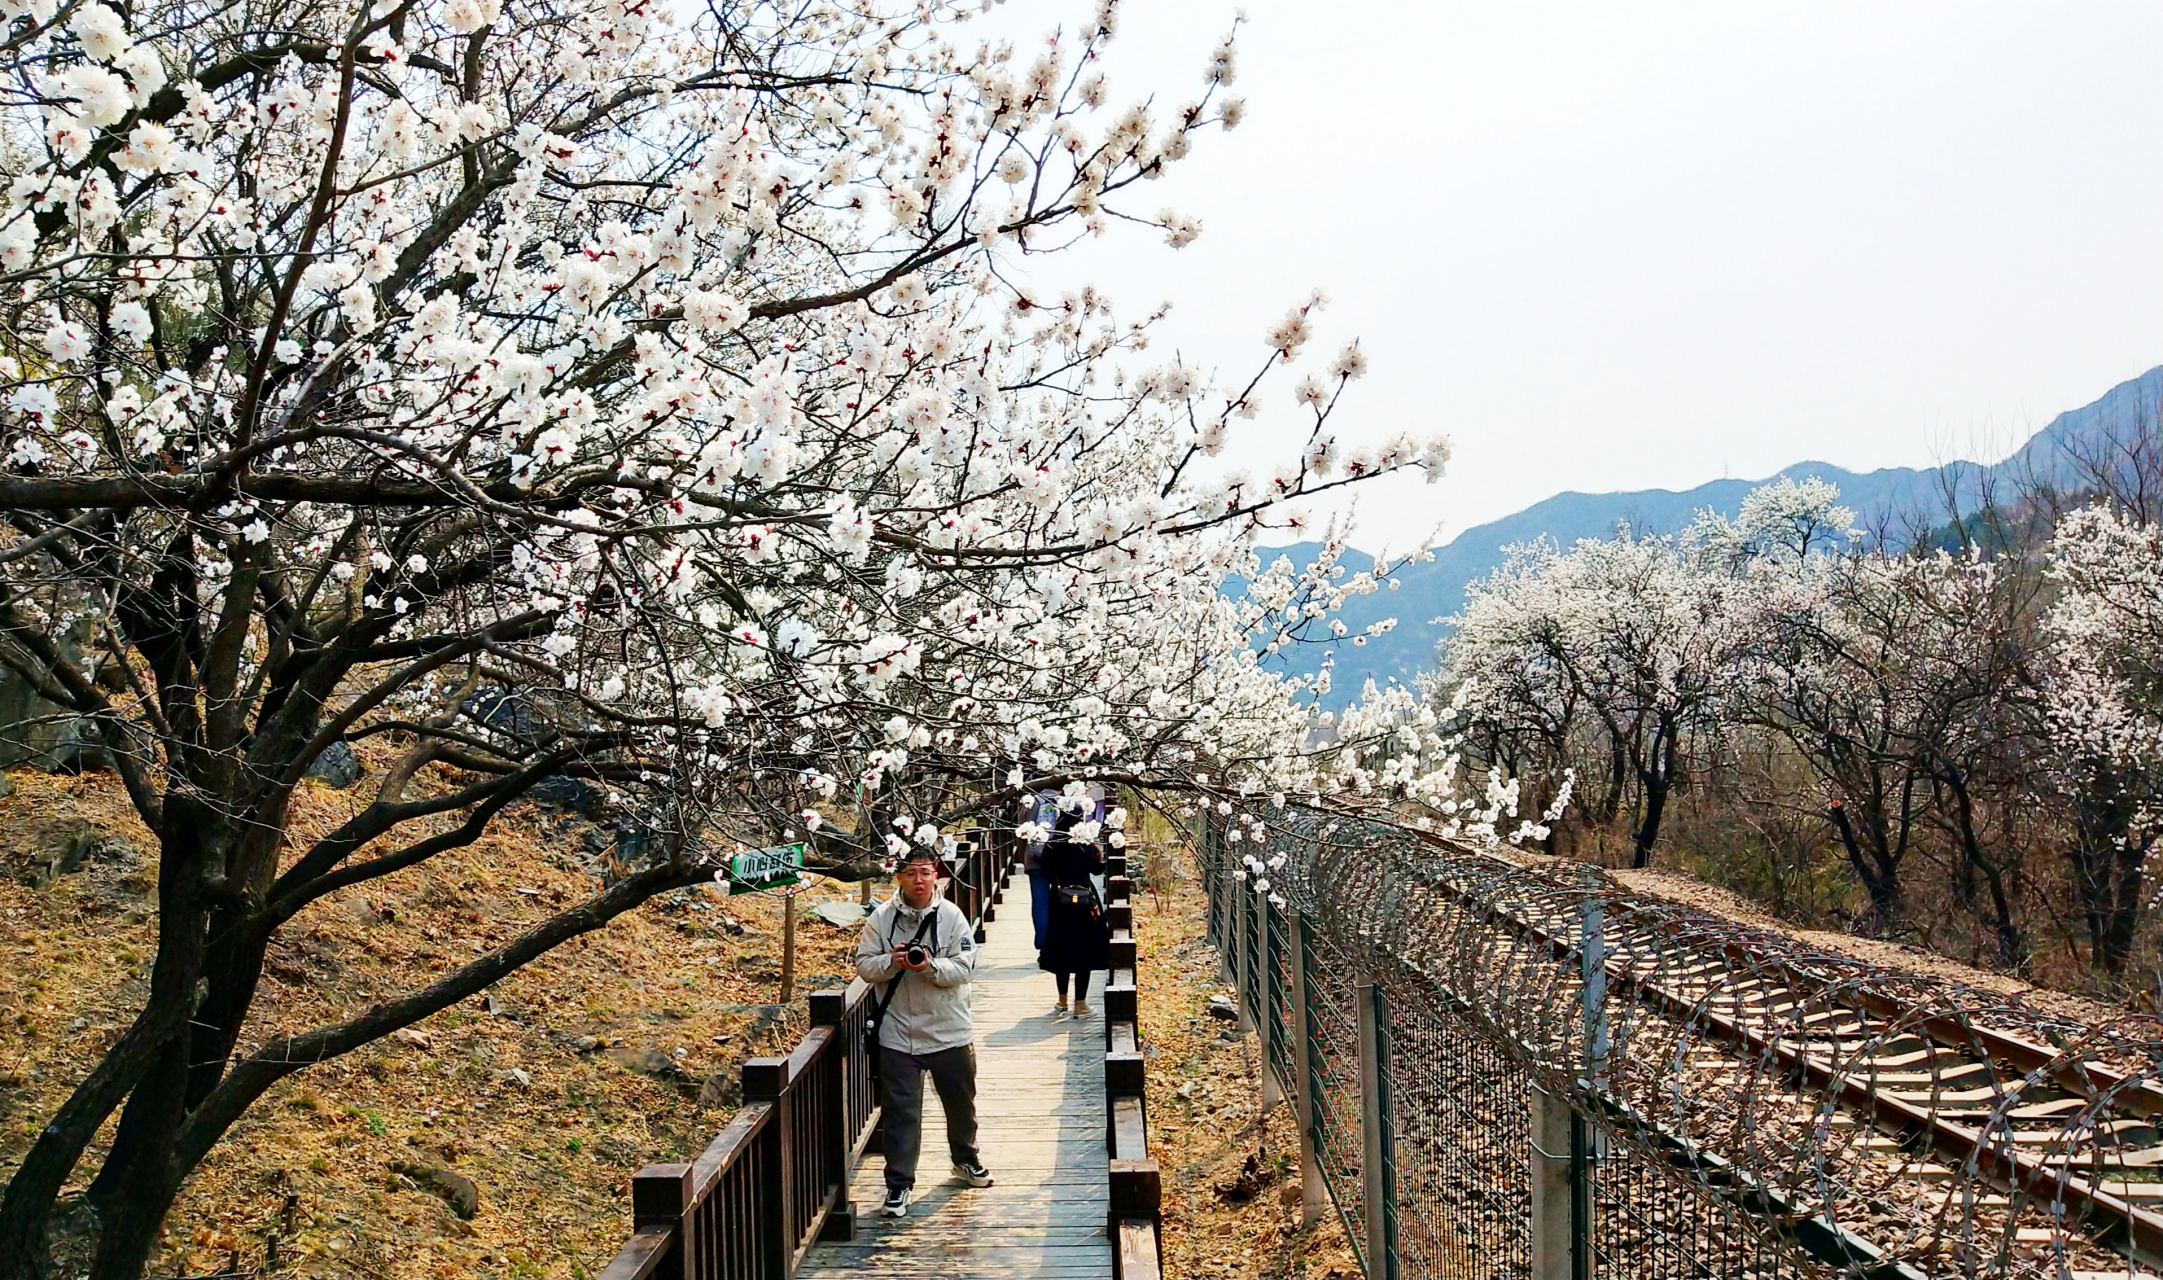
x=1879, y=878
x=2012, y=944
x=1657, y=777
x=2107, y=856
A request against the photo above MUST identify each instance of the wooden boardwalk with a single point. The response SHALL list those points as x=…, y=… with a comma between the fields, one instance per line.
x=1040, y=1110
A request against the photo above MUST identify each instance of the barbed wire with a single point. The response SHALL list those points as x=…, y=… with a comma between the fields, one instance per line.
x=1876, y=1121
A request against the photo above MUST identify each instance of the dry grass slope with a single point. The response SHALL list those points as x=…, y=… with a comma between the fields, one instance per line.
x=617, y=1050
x=1205, y=1124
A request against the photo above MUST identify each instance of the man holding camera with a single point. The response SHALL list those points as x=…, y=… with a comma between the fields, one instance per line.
x=922, y=945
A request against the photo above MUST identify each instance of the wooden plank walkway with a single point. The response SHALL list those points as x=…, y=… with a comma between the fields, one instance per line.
x=1040, y=1112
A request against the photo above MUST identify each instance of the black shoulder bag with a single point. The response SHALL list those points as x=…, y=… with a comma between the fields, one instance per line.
x=1080, y=897
x=886, y=997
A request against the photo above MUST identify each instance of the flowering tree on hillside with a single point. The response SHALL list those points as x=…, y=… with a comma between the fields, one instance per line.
x=1517, y=693
x=1926, y=697
x=589, y=388
x=1627, y=629
x=1830, y=671
x=2104, y=703
x=1900, y=682
x=1784, y=525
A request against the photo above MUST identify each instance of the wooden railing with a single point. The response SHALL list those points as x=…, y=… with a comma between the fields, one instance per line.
x=1136, y=1220
x=980, y=872
x=776, y=1180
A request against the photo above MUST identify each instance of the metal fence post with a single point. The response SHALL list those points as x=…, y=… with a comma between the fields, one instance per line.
x=1377, y=1159
x=1234, y=892
x=1250, y=904
x=1205, y=844
x=1313, y=1194
x=1554, y=1200
x=1228, y=930
x=1581, y=1153
x=1592, y=953
x=1584, y=1138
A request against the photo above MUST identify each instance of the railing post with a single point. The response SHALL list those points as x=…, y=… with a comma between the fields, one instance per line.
x=1137, y=1192
x=1378, y=1156
x=1135, y=1223
x=979, y=892
x=661, y=1193
x=830, y=1009
x=1313, y=1195
x=987, y=857
x=767, y=1080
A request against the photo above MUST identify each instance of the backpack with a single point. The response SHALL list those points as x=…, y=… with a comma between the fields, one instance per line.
x=1078, y=897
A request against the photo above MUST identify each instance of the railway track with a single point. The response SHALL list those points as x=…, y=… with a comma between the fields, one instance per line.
x=2029, y=1118
x=1952, y=1131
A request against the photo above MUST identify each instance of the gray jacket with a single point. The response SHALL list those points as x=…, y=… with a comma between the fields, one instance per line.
x=930, y=1009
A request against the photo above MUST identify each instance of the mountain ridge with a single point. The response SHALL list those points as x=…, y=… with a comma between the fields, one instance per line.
x=1889, y=502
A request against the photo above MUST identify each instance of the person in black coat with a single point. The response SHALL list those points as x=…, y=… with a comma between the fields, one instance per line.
x=1077, y=937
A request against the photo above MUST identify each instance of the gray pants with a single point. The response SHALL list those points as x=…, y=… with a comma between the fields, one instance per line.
x=901, y=1094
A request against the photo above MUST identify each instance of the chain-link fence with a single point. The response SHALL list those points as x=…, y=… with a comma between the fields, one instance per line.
x=1460, y=1120
x=1337, y=1137
x=1506, y=1070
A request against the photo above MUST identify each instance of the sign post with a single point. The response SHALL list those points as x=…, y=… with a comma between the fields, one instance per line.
x=778, y=869
x=758, y=870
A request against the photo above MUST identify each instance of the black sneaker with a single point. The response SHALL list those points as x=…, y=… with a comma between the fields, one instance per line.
x=975, y=1174
x=897, y=1203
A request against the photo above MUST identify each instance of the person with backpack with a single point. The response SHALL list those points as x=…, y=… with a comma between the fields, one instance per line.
x=1077, y=935
x=919, y=950
x=1032, y=866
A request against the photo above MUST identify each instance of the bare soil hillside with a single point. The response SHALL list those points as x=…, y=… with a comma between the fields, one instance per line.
x=617, y=1050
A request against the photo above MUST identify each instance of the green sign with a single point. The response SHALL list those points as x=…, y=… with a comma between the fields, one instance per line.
x=760, y=869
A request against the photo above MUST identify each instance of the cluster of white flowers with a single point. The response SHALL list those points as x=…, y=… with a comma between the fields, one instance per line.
x=687, y=407
x=2103, y=696
x=1637, y=640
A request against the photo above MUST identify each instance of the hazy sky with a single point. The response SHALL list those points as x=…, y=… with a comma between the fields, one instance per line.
x=1618, y=246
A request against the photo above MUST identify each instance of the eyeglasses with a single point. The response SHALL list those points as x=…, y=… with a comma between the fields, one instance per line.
x=918, y=869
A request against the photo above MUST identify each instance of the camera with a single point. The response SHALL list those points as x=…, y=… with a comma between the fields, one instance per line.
x=917, y=955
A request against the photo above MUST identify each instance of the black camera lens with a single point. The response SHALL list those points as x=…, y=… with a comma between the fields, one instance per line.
x=917, y=955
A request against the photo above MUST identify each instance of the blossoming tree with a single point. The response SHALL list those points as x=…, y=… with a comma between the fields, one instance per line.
x=1627, y=637
x=529, y=388
x=2104, y=709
